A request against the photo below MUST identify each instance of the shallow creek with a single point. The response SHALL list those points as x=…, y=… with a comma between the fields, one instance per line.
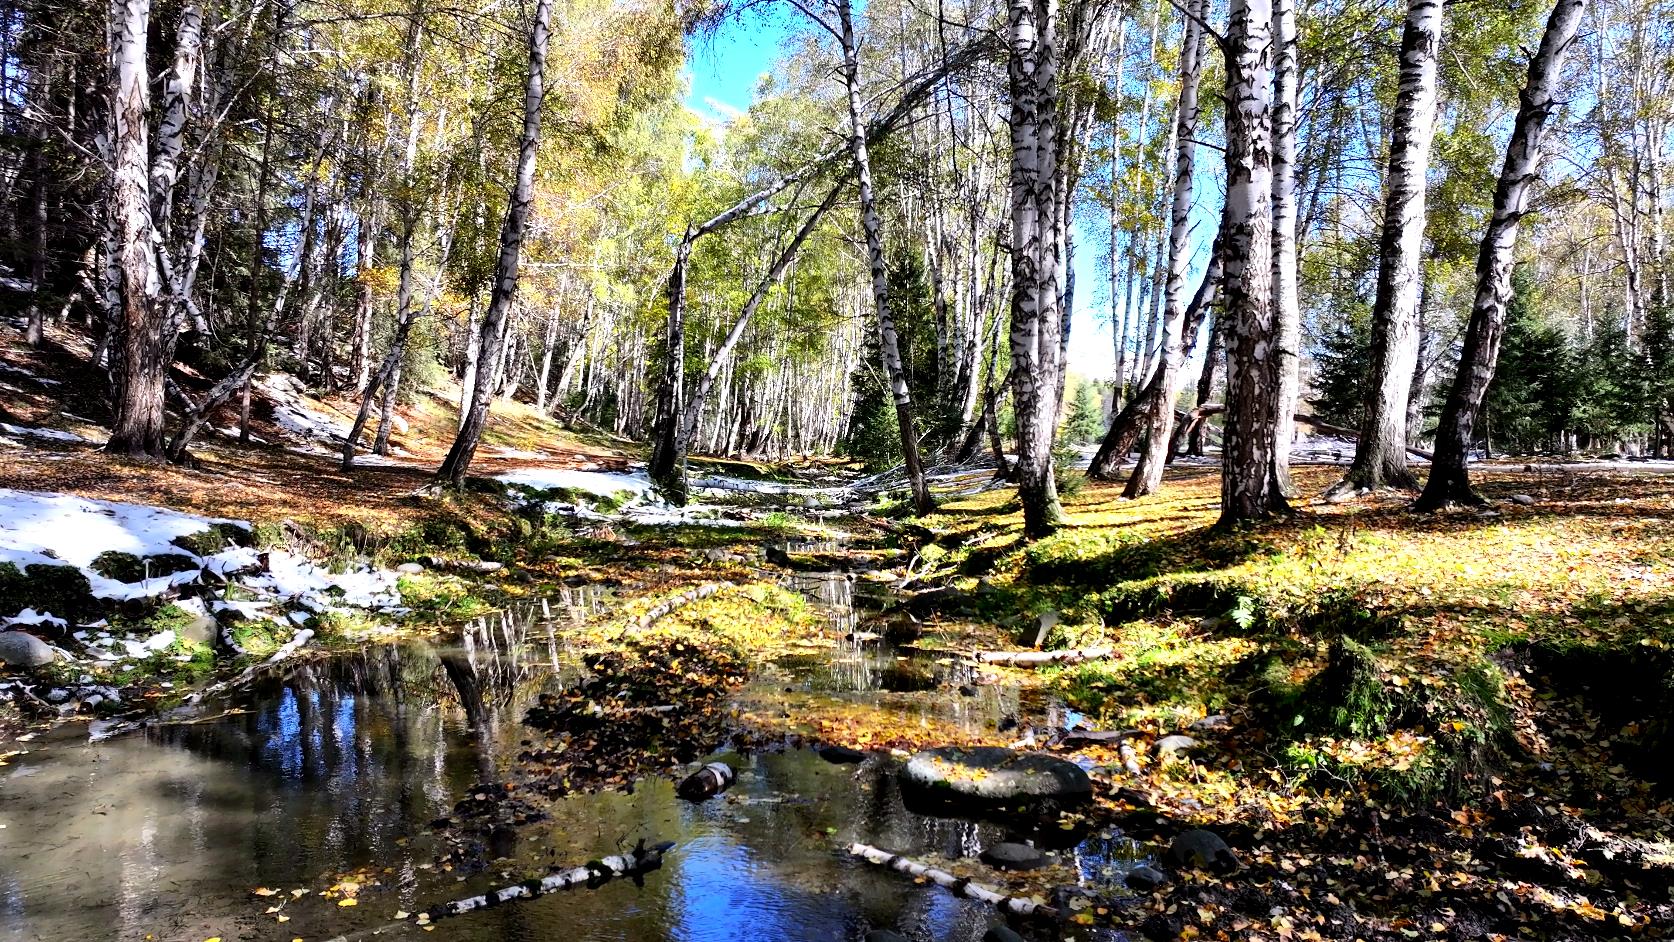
x=341, y=765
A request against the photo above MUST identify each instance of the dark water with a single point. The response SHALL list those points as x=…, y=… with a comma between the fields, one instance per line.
x=341, y=766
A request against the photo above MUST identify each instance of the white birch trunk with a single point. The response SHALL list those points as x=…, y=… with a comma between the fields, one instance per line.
x=1287, y=311
x=1449, y=478
x=1248, y=491
x=1380, y=456
x=1159, y=422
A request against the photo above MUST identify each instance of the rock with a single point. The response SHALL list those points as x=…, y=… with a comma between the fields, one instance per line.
x=1217, y=721
x=22, y=649
x=966, y=690
x=1171, y=747
x=1145, y=879
x=1202, y=850
x=1001, y=934
x=884, y=935
x=992, y=777
x=1523, y=499
x=410, y=569
x=1082, y=738
x=1009, y=856
x=841, y=755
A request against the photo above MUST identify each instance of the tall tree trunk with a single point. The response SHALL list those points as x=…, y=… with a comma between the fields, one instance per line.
x=1129, y=421
x=458, y=461
x=1159, y=418
x=138, y=367
x=1248, y=488
x=1380, y=455
x=1035, y=296
x=888, y=343
x=1287, y=311
x=1205, y=386
x=1449, y=480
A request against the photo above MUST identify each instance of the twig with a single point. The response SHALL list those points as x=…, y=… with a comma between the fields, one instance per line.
x=960, y=886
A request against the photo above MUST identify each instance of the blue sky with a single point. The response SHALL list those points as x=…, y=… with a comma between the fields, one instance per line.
x=723, y=70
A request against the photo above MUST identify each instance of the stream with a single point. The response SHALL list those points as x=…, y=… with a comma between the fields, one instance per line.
x=336, y=770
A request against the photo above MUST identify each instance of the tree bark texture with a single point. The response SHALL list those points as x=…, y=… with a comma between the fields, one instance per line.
x=1449, y=480
x=458, y=461
x=1248, y=489
x=1380, y=456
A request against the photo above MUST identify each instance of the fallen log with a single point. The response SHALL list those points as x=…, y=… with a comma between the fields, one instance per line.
x=669, y=606
x=707, y=782
x=1038, y=658
x=594, y=873
x=960, y=886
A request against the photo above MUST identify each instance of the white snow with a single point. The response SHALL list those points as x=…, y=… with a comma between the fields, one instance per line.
x=601, y=483
x=31, y=617
x=20, y=371
x=47, y=433
x=293, y=416
x=60, y=529
x=54, y=529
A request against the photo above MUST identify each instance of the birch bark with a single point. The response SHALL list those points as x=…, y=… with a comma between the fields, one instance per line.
x=458, y=461
x=1380, y=456
x=1449, y=480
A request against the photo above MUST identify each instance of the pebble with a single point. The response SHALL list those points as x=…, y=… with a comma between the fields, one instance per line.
x=1145, y=879
x=1009, y=856
x=1170, y=747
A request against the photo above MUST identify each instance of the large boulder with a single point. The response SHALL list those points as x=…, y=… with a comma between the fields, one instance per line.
x=22, y=649
x=993, y=778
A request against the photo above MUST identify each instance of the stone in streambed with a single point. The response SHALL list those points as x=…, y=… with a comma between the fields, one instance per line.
x=884, y=935
x=841, y=755
x=990, y=777
x=1145, y=879
x=1009, y=856
x=1001, y=934
x=22, y=649
x=1172, y=747
x=1202, y=850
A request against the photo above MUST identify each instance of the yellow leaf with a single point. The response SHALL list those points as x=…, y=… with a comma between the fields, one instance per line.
x=263, y=891
x=281, y=918
x=347, y=902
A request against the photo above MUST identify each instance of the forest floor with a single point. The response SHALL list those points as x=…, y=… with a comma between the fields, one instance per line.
x=1446, y=726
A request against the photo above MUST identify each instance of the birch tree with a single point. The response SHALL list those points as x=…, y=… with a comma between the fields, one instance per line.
x=1287, y=308
x=1380, y=455
x=888, y=343
x=1249, y=490
x=458, y=461
x=138, y=364
x=1449, y=480
x=1159, y=419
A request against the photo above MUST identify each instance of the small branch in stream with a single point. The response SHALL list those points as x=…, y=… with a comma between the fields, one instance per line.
x=960, y=886
x=1038, y=658
x=635, y=863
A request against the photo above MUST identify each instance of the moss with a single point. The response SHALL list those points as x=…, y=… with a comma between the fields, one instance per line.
x=435, y=597
x=127, y=567
x=1349, y=697
x=62, y=590
x=170, y=617
x=260, y=637
x=215, y=538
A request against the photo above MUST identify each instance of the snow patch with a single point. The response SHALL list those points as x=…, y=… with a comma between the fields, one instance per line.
x=600, y=483
x=52, y=434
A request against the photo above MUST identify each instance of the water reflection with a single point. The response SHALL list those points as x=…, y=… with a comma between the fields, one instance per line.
x=341, y=764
